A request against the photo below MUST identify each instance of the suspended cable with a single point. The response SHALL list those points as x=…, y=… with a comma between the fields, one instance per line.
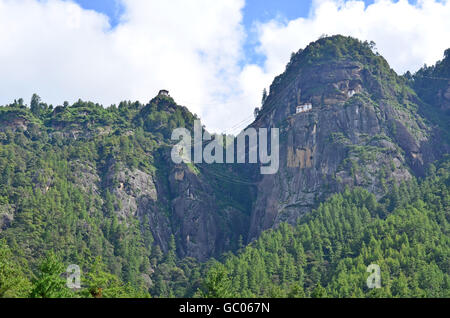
x=437, y=78
x=228, y=178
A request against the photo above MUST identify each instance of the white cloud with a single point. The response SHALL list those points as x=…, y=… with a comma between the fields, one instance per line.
x=193, y=48
x=62, y=52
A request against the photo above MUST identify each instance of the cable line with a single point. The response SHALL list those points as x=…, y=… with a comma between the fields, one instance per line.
x=228, y=178
x=437, y=78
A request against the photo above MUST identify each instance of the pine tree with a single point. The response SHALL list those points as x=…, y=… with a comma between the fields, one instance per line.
x=217, y=283
x=35, y=105
x=50, y=282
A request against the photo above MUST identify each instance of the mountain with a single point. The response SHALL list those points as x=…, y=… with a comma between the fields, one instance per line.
x=366, y=128
x=91, y=181
x=97, y=185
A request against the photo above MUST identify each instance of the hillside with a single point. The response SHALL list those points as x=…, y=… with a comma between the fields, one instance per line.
x=363, y=171
x=88, y=182
x=326, y=254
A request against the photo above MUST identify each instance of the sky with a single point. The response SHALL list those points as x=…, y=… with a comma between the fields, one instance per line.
x=215, y=57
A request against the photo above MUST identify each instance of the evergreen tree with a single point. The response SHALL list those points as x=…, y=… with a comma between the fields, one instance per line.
x=217, y=283
x=50, y=282
x=13, y=282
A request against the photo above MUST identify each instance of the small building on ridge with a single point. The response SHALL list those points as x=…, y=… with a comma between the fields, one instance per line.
x=303, y=108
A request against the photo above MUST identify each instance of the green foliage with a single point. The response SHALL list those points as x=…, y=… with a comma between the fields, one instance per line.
x=49, y=159
x=50, y=282
x=99, y=283
x=13, y=281
x=217, y=284
x=327, y=253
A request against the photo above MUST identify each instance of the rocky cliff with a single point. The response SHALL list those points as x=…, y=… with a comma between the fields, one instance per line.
x=366, y=128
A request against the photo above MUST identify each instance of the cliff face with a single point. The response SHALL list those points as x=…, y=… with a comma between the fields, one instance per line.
x=364, y=129
x=207, y=219
x=432, y=84
x=190, y=203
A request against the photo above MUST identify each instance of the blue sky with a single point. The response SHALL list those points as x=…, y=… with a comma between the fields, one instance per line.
x=254, y=11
